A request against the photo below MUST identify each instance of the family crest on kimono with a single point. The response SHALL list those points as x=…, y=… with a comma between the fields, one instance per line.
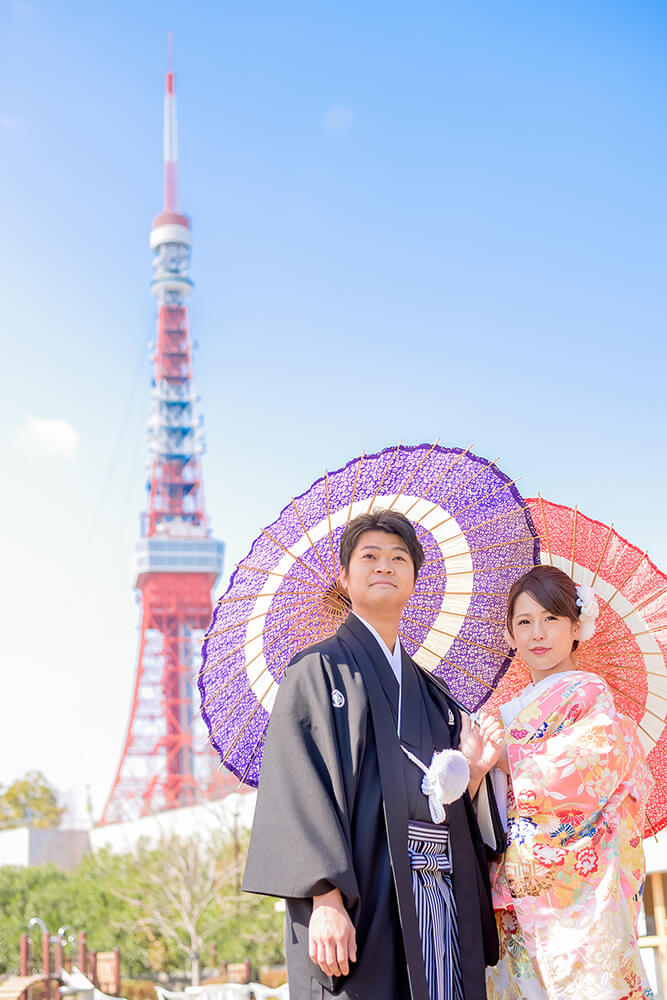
x=568, y=890
x=384, y=899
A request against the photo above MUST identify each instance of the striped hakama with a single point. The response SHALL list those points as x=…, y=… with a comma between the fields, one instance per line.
x=430, y=861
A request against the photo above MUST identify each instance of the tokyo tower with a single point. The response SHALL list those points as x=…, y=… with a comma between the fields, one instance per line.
x=165, y=761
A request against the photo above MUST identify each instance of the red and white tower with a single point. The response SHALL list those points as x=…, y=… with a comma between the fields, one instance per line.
x=166, y=761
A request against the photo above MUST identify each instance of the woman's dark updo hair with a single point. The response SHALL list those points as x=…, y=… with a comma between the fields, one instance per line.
x=550, y=587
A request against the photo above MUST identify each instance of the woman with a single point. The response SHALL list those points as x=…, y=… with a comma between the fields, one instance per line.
x=568, y=891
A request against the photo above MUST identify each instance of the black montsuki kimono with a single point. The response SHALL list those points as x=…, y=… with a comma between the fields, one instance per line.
x=335, y=796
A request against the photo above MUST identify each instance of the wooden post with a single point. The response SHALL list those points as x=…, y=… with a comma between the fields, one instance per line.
x=92, y=959
x=83, y=959
x=238, y=972
x=59, y=956
x=25, y=953
x=660, y=914
x=116, y=952
x=46, y=964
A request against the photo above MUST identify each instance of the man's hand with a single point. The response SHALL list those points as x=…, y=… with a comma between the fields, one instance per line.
x=332, y=941
x=482, y=746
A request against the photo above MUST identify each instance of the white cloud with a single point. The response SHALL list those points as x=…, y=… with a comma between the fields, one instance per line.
x=338, y=118
x=48, y=435
x=11, y=124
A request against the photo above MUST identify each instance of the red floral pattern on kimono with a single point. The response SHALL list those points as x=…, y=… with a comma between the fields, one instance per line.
x=574, y=869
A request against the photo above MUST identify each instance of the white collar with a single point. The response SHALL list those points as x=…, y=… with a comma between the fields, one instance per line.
x=512, y=708
x=394, y=658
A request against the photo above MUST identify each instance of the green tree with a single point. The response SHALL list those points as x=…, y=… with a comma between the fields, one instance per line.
x=26, y=893
x=255, y=930
x=60, y=897
x=178, y=890
x=30, y=799
x=161, y=905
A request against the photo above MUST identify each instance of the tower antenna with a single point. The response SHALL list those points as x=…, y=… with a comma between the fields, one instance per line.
x=170, y=134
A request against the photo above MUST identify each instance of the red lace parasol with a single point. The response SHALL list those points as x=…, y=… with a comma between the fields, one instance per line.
x=629, y=647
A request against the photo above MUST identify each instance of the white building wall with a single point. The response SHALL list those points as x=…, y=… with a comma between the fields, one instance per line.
x=15, y=847
x=64, y=848
x=210, y=820
x=27, y=846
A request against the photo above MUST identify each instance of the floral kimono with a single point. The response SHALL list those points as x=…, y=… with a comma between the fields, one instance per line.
x=568, y=891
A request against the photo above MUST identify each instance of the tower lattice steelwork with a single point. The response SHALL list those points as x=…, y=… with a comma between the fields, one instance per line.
x=165, y=761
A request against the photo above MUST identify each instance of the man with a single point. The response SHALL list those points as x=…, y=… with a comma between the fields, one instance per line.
x=382, y=904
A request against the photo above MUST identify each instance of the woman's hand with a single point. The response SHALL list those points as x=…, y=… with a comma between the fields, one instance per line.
x=503, y=761
x=482, y=745
x=332, y=940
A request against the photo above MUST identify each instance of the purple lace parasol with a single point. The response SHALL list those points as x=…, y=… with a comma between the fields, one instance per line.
x=478, y=538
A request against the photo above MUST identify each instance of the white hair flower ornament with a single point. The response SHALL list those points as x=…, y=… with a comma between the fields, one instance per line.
x=588, y=611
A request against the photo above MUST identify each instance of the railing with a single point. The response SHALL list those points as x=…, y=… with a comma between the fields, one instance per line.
x=103, y=968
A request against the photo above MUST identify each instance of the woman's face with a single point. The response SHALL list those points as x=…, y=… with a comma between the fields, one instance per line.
x=543, y=640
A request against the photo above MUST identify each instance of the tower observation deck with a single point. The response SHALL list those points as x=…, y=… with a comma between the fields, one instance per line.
x=165, y=760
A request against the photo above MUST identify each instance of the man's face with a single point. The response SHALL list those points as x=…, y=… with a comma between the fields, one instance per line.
x=381, y=575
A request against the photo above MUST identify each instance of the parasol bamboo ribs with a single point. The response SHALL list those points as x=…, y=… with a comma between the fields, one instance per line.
x=260, y=702
x=487, y=548
x=296, y=558
x=631, y=635
x=484, y=524
x=403, y=488
x=414, y=606
x=604, y=549
x=632, y=611
x=456, y=489
x=285, y=595
x=216, y=663
x=468, y=642
x=286, y=576
x=450, y=663
x=438, y=479
x=607, y=602
x=645, y=710
x=326, y=497
x=244, y=666
x=574, y=541
x=230, y=628
x=546, y=529
x=487, y=496
x=310, y=542
x=354, y=488
x=383, y=477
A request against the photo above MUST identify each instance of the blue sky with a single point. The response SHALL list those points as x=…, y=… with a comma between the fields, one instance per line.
x=409, y=222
